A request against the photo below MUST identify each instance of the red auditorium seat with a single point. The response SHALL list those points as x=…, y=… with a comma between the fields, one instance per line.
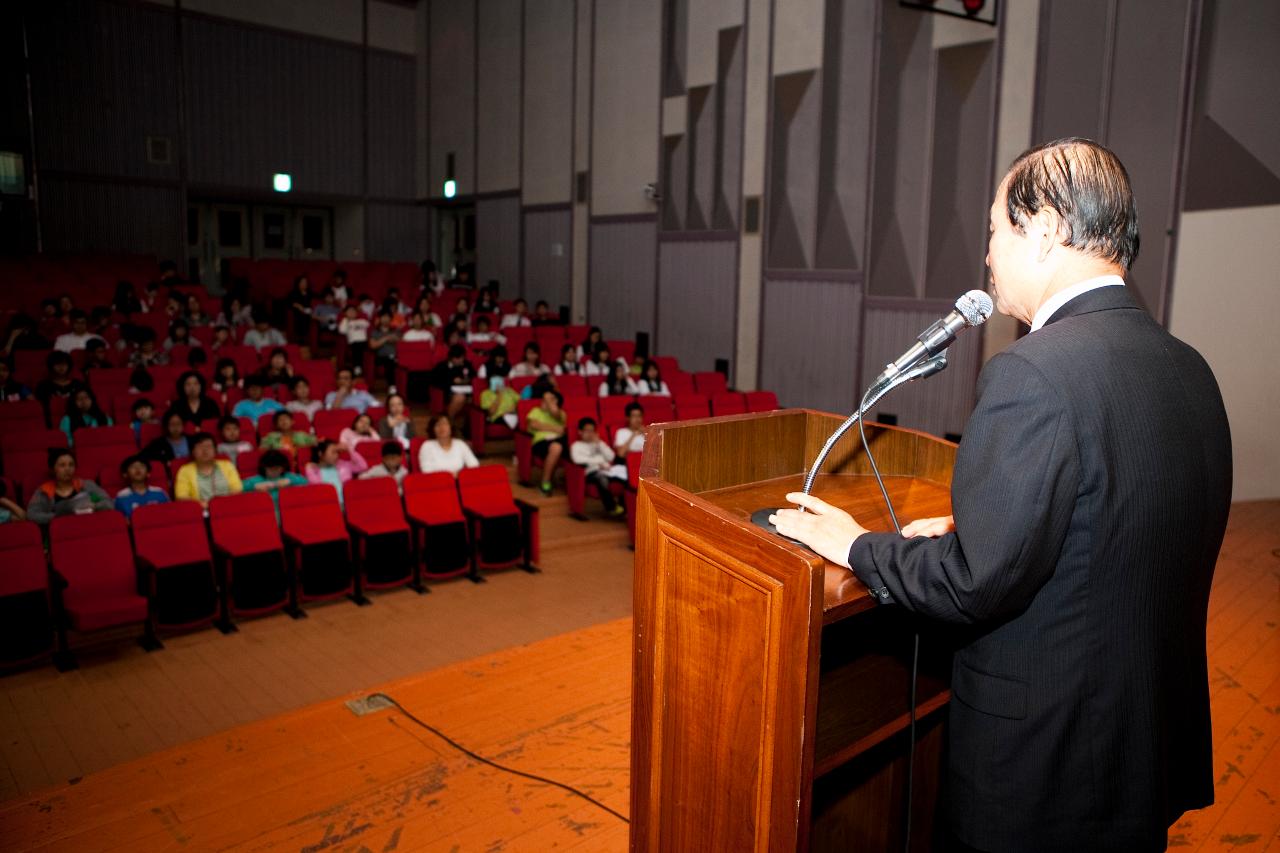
x=761, y=401
x=252, y=569
x=504, y=529
x=613, y=410
x=667, y=364
x=371, y=450
x=329, y=423
x=26, y=617
x=728, y=403
x=572, y=386
x=578, y=488
x=381, y=540
x=318, y=547
x=550, y=339
x=524, y=442
x=95, y=580
x=172, y=550
x=101, y=447
x=679, y=382
x=657, y=409
x=26, y=456
x=440, y=528
x=625, y=350
x=632, y=492
x=690, y=406
x=20, y=416
x=709, y=382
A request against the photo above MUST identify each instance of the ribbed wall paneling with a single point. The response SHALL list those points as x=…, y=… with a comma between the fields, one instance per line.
x=452, y=83
x=809, y=343
x=705, y=275
x=260, y=102
x=940, y=404
x=499, y=72
x=498, y=243
x=391, y=130
x=547, y=257
x=77, y=216
x=622, y=277
x=548, y=102
x=397, y=232
x=103, y=78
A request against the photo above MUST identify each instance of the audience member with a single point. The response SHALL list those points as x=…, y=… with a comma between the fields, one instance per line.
x=284, y=437
x=519, y=316
x=392, y=464
x=192, y=402
x=396, y=424
x=496, y=364
x=230, y=444
x=180, y=335
x=327, y=311
x=125, y=300
x=338, y=287
x=361, y=429
x=650, y=381
x=205, y=477
x=147, y=353
x=453, y=376
x=546, y=423
x=329, y=466
x=277, y=372
x=97, y=355
x=273, y=475
x=597, y=457
x=226, y=375
x=601, y=362
x=222, y=339
x=302, y=401
x=484, y=333
x=58, y=382
x=382, y=340
x=79, y=336
x=418, y=331
x=430, y=318
x=346, y=395
x=486, y=302
x=499, y=402
x=235, y=312
x=195, y=314
x=443, y=452
x=144, y=412
x=255, y=403
x=542, y=315
x=262, y=335
x=630, y=438
x=355, y=328
x=137, y=490
x=10, y=510
x=461, y=313
x=592, y=342
x=172, y=443
x=11, y=390
x=366, y=306
x=300, y=307
x=83, y=411
x=65, y=493
x=531, y=364
x=22, y=335
x=619, y=383
x=568, y=363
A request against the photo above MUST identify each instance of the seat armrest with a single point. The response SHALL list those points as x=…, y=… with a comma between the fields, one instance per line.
x=525, y=507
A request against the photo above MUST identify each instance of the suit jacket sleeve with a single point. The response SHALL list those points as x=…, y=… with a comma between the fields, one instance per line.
x=1013, y=492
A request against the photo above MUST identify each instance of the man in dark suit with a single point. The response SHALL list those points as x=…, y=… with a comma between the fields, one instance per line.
x=1090, y=496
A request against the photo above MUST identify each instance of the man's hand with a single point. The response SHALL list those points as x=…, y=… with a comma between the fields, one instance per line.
x=929, y=527
x=826, y=529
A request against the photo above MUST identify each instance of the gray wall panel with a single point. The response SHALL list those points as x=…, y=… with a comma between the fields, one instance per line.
x=452, y=91
x=498, y=243
x=391, y=130
x=621, y=288
x=111, y=218
x=809, y=343
x=938, y=405
x=1073, y=68
x=704, y=274
x=547, y=236
x=292, y=105
x=94, y=114
x=498, y=71
x=397, y=232
x=548, y=101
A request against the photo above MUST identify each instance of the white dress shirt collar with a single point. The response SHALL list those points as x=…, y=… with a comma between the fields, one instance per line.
x=1062, y=297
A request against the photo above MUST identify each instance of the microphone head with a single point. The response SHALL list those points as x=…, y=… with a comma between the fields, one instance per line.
x=975, y=306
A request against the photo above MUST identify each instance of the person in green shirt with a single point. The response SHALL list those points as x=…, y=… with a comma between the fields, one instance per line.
x=273, y=475
x=546, y=423
x=284, y=437
x=499, y=401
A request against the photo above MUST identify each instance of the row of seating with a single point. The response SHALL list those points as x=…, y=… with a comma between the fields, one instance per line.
x=171, y=568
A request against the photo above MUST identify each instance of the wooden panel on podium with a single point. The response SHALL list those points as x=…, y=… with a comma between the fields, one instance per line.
x=771, y=694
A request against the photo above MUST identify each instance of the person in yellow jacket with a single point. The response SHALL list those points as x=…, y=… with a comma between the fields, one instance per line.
x=205, y=477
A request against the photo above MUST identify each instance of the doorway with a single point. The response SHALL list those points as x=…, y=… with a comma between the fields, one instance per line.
x=455, y=237
x=218, y=232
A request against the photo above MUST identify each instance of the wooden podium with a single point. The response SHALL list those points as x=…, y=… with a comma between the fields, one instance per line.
x=771, y=693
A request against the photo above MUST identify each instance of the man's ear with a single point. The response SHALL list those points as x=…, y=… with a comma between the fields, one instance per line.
x=1047, y=226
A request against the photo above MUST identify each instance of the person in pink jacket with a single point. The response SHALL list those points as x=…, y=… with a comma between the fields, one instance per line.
x=329, y=466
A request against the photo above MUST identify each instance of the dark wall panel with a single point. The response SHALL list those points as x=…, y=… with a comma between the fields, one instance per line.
x=498, y=242
x=498, y=95
x=80, y=216
x=391, y=127
x=809, y=343
x=452, y=83
x=793, y=172
x=397, y=232
x=104, y=78
x=547, y=256
x=621, y=283
x=1072, y=75
x=702, y=274
x=260, y=102
x=548, y=102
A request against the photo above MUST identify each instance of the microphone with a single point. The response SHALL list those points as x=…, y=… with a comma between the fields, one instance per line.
x=972, y=309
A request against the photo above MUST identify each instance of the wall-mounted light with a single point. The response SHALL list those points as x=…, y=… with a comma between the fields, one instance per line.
x=282, y=182
x=450, y=188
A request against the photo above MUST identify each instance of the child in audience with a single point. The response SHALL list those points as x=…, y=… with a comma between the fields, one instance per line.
x=235, y=312
x=302, y=401
x=430, y=319
x=461, y=312
x=484, y=334
x=65, y=493
x=179, y=335
x=383, y=340
x=195, y=313
x=496, y=365
x=630, y=438
x=592, y=342
x=591, y=452
x=300, y=307
x=273, y=475
x=568, y=363
x=619, y=383
x=221, y=339
x=96, y=355
x=338, y=287
x=361, y=429
x=518, y=317
x=542, y=315
x=331, y=468
x=11, y=390
x=546, y=422
x=531, y=365
x=500, y=402
x=226, y=375
x=262, y=335
x=346, y=395
x=173, y=443
x=396, y=424
x=355, y=328
x=284, y=437
x=453, y=376
x=205, y=477
x=392, y=464
x=84, y=411
x=58, y=382
x=255, y=404
x=368, y=308
x=147, y=353
x=486, y=302
x=230, y=444
x=650, y=381
x=443, y=452
x=137, y=490
x=418, y=331
x=143, y=413
x=601, y=362
x=327, y=311
x=278, y=371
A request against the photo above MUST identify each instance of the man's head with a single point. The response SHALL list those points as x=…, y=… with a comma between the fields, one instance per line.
x=79, y=322
x=392, y=455
x=635, y=416
x=253, y=388
x=203, y=450
x=1064, y=213
x=344, y=378
x=587, y=429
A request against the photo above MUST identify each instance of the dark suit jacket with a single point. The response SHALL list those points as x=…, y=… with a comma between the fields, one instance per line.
x=1090, y=496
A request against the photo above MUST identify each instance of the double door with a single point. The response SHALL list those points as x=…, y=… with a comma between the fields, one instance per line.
x=218, y=232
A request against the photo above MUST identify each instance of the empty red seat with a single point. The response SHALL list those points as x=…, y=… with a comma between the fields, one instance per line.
x=761, y=401
x=21, y=415
x=679, y=382
x=728, y=403
x=172, y=549
x=504, y=529
x=632, y=492
x=102, y=447
x=318, y=547
x=97, y=583
x=572, y=386
x=246, y=540
x=371, y=450
x=434, y=512
x=412, y=359
x=689, y=406
x=382, y=542
x=329, y=423
x=709, y=382
x=26, y=616
x=26, y=456
x=657, y=409
x=613, y=410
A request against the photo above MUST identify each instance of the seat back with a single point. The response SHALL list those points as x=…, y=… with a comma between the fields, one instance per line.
x=485, y=487
x=729, y=403
x=245, y=522
x=416, y=355
x=26, y=454
x=111, y=482
x=23, y=412
x=614, y=409
x=104, y=436
x=376, y=498
x=709, y=382
x=329, y=423
x=22, y=555
x=577, y=408
x=312, y=510
x=623, y=349
x=761, y=401
x=170, y=534
x=371, y=450
x=572, y=386
x=679, y=382
x=689, y=406
x=93, y=552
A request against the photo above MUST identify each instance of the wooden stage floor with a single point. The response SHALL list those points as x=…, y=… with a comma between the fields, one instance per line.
x=324, y=779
